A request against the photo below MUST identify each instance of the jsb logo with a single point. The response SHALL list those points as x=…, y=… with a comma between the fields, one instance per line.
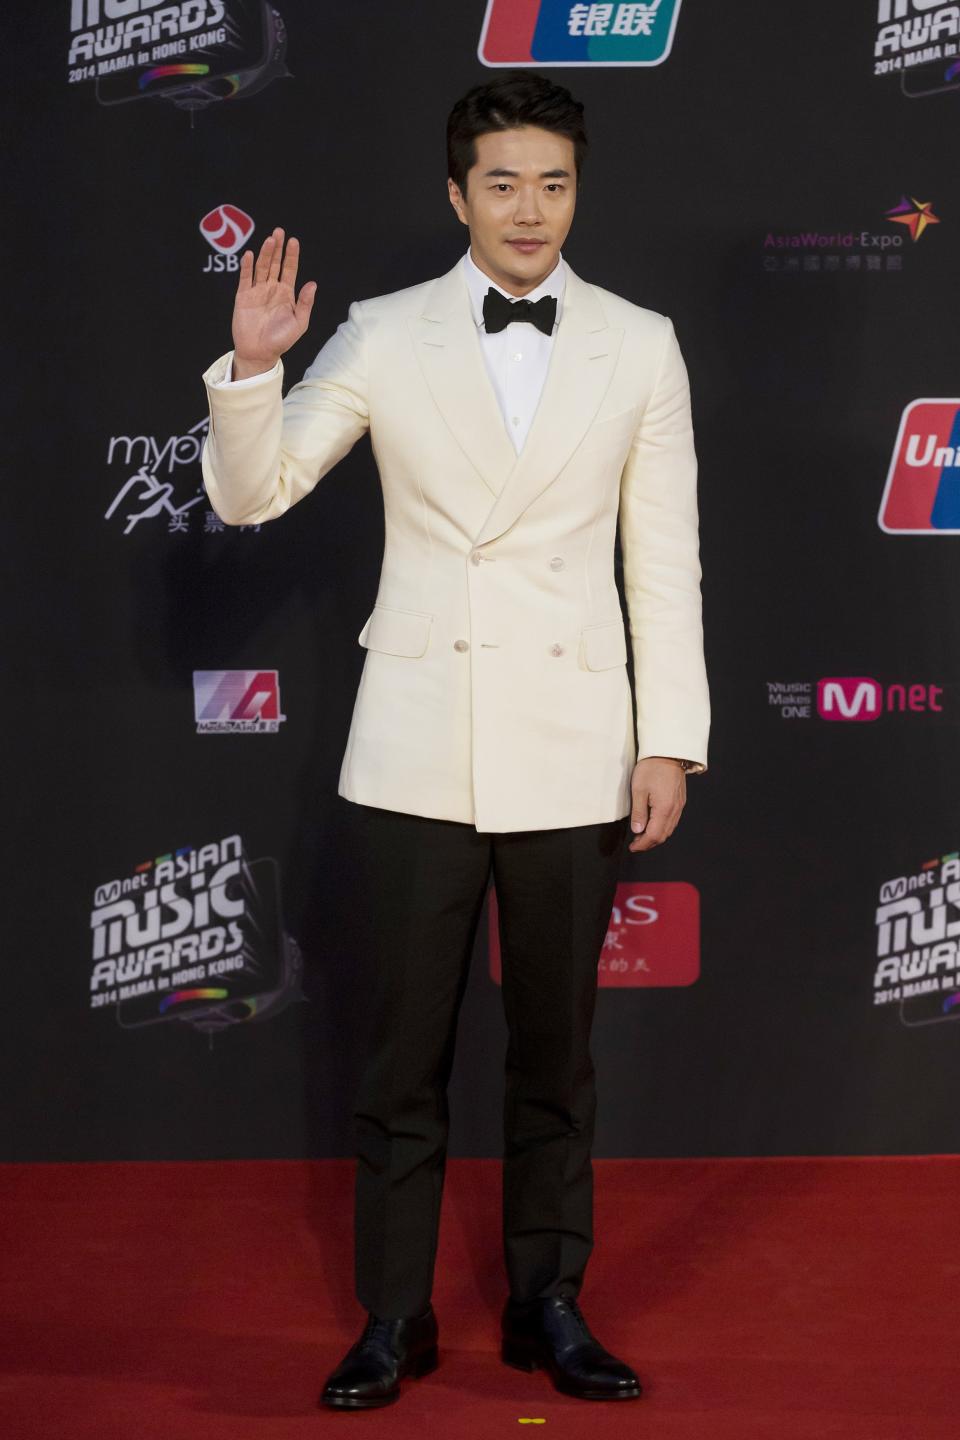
x=226, y=230
x=857, y=697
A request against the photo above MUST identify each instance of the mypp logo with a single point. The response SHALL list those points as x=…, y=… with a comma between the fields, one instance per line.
x=858, y=697
x=922, y=493
x=558, y=32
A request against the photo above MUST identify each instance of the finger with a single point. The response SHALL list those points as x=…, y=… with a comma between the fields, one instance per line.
x=263, y=261
x=288, y=272
x=305, y=300
x=640, y=813
x=246, y=270
x=653, y=836
x=276, y=255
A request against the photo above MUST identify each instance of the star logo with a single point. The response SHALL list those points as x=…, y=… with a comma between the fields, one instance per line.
x=915, y=214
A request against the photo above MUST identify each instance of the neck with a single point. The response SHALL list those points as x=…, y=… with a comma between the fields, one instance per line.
x=513, y=284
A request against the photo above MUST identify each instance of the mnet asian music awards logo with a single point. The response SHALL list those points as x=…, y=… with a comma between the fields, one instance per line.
x=918, y=41
x=190, y=55
x=922, y=493
x=917, y=954
x=226, y=229
x=556, y=32
x=237, y=702
x=652, y=940
x=195, y=937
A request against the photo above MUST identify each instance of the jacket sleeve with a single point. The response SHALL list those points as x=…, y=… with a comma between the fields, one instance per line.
x=263, y=452
x=661, y=567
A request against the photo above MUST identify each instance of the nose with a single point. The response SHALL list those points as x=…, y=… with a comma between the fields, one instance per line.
x=527, y=211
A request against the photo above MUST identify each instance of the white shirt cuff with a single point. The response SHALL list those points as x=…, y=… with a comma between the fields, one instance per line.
x=250, y=379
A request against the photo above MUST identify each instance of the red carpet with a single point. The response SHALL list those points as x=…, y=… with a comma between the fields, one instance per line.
x=790, y=1299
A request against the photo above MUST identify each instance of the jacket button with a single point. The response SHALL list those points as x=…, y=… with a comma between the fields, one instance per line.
x=556, y=562
x=476, y=557
x=461, y=645
x=556, y=649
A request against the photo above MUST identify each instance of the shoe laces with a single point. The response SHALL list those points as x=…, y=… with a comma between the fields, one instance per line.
x=375, y=1333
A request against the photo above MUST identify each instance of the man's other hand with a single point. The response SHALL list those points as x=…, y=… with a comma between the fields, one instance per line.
x=659, y=789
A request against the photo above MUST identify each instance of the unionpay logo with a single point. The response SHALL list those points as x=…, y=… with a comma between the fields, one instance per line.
x=556, y=32
x=922, y=493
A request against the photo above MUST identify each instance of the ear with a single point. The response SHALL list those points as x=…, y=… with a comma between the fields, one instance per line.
x=456, y=200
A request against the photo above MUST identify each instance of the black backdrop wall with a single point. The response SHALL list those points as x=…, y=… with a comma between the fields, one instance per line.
x=183, y=961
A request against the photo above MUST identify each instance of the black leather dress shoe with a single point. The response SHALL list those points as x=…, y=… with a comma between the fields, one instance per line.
x=370, y=1372
x=551, y=1332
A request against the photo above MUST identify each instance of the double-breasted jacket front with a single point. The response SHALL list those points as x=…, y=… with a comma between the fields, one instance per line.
x=494, y=688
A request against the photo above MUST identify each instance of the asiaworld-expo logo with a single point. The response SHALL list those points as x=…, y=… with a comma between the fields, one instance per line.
x=922, y=493
x=558, y=32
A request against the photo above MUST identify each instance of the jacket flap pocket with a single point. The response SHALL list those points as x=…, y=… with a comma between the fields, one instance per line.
x=604, y=645
x=397, y=632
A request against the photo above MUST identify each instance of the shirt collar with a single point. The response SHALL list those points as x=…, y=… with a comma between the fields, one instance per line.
x=479, y=283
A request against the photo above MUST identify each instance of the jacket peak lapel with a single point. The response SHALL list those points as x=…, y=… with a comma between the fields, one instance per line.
x=447, y=347
x=583, y=358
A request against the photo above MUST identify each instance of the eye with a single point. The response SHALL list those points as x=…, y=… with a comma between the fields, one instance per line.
x=554, y=185
x=502, y=185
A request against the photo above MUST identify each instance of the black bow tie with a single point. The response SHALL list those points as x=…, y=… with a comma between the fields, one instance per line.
x=498, y=312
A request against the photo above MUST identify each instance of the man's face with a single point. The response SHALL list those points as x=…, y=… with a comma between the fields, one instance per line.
x=519, y=205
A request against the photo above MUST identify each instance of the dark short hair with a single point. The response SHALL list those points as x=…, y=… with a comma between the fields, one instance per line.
x=514, y=98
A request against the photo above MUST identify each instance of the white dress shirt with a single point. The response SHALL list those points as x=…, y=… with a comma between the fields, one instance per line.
x=516, y=357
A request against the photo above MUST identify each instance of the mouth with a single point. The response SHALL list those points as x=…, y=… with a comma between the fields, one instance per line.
x=526, y=247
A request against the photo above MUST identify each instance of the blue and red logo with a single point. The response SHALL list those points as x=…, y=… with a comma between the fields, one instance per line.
x=558, y=32
x=244, y=702
x=922, y=493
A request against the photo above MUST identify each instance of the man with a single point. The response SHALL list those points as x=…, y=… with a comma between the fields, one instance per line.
x=516, y=413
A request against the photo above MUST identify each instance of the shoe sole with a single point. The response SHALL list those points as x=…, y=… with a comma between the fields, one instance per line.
x=521, y=1357
x=423, y=1365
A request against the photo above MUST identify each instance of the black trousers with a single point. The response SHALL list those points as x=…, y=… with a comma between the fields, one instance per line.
x=423, y=883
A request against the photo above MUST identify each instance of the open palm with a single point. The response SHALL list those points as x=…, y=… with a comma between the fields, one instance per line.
x=268, y=316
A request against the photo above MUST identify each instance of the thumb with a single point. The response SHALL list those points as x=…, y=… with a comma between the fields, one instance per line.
x=640, y=812
x=306, y=297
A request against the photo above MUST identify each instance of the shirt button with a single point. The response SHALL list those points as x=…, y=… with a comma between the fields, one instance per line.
x=556, y=562
x=516, y=419
x=461, y=645
x=556, y=649
x=518, y=356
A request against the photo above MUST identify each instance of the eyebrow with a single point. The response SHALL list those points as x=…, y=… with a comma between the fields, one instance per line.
x=544, y=174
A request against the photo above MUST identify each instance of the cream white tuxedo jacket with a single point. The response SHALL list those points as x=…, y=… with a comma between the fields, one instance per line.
x=494, y=688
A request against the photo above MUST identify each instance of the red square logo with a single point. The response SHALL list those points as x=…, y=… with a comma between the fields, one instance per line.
x=653, y=938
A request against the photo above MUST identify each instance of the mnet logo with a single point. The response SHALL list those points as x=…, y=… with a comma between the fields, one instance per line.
x=922, y=493
x=237, y=702
x=226, y=229
x=557, y=32
x=857, y=697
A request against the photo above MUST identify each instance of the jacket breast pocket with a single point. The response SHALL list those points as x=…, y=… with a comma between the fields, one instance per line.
x=396, y=632
x=611, y=432
x=603, y=646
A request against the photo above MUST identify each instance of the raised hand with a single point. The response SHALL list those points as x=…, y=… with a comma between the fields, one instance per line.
x=268, y=316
